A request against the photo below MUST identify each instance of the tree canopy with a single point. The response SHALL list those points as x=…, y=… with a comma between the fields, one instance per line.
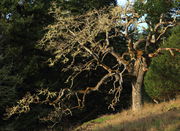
x=60, y=56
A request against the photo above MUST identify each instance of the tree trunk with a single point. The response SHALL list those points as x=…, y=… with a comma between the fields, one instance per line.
x=137, y=84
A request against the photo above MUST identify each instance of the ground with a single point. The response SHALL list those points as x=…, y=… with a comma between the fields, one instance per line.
x=153, y=117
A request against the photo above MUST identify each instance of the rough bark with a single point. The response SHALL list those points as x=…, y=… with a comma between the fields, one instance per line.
x=137, y=84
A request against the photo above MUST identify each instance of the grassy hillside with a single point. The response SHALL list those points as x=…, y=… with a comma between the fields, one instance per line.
x=153, y=117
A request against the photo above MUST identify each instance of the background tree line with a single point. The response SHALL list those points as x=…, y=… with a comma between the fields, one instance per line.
x=24, y=67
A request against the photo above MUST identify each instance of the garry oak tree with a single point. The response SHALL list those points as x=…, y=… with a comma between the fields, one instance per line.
x=82, y=43
x=23, y=66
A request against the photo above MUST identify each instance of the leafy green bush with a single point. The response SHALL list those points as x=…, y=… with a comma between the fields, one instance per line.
x=162, y=81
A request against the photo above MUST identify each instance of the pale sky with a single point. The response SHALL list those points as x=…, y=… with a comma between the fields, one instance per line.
x=122, y=2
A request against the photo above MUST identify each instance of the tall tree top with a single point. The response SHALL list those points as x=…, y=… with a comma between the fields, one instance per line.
x=82, y=6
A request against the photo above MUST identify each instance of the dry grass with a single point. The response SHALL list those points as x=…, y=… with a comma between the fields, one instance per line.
x=153, y=117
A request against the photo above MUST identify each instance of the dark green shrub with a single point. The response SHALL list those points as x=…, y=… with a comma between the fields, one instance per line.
x=162, y=80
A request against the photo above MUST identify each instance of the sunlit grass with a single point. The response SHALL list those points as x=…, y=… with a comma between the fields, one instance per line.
x=153, y=117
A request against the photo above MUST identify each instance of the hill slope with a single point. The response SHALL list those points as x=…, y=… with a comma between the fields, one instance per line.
x=153, y=117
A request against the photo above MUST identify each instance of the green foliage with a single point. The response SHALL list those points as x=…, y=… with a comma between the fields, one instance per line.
x=7, y=85
x=153, y=9
x=23, y=67
x=82, y=6
x=162, y=81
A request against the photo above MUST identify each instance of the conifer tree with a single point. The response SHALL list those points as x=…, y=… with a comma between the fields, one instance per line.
x=162, y=81
x=23, y=66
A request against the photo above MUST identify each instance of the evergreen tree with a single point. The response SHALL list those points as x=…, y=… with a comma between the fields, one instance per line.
x=81, y=6
x=85, y=44
x=22, y=23
x=162, y=81
x=23, y=66
x=153, y=10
